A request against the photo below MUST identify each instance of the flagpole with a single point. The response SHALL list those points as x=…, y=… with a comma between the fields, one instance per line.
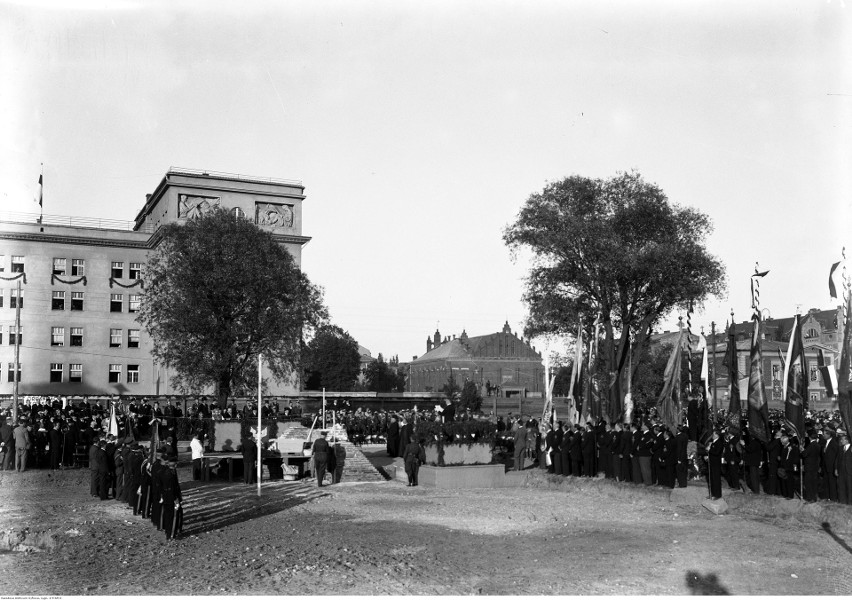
x=259, y=433
x=17, y=354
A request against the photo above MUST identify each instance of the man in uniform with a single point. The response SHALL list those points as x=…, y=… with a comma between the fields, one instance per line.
x=520, y=449
x=753, y=459
x=790, y=464
x=339, y=462
x=588, y=443
x=843, y=471
x=811, y=459
x=715, y=449
x=773, y=459
x=249, y=449
x=681, y=455
x=170, y=510
x=830, y=451
x=320, y=454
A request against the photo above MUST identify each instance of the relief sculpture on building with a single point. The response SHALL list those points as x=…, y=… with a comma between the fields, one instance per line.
x=275, y=215
x=192, y=207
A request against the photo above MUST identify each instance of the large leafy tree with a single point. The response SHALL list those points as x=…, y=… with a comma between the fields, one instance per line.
x=219, y=291
x=616, y=250
x=331, y=360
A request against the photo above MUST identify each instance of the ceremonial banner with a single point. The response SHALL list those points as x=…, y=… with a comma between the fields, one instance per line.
x=731, y=362
x=758, y=410
x=669, y=399
x=795, y=381
x=113, y=422
x=829, y=376
x=844, y=390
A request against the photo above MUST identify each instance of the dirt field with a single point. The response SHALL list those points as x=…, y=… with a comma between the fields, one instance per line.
x=549, y=536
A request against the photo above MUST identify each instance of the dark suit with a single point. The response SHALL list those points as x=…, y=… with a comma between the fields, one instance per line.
x=714, y=460
x=682, y=459
x=773, y=461
x=790, y=463
x=170, y=516
x=830, y=452
x=635, y=465
x=753, y=457
x=393, y=439
x=565, y=452
x=588, y=442
x=811, y=459
x=321, y=450
x=55, y=449
x=102, y=473
x=520, y=446
x=550, y=443
x=249, y=450
x=575, y=449
x=843, y=466
x=667, y=462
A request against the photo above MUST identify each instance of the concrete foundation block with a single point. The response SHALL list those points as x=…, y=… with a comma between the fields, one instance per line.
x=718, y=507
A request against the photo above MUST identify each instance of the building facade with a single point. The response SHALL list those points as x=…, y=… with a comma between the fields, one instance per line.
x=81, y=283
x=500, y=361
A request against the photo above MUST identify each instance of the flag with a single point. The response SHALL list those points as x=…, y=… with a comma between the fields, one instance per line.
x=576, y=369
x=758, y=410
x=669, y=399
x=732, y=363
x=795, y=381
x=39, y=197
x=113, y=422
x=829, y=376
x=844, y=392
x=155, y=440
x=832, y=289
x=705, y=366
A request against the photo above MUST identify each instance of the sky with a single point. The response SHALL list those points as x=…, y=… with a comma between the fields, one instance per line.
x=419, y=129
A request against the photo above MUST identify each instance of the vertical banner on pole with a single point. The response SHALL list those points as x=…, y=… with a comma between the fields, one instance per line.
x=259, y=432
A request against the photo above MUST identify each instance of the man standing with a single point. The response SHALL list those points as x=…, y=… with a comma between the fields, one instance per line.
x=810, y=459
x=55, y=446
x=681, y=455
x=753, y=459
x=565, y=449
x=830, y=451
x=790, y=464
x=197, y=456
x=843, y=471
x=101, y=470
x=320, y=454
x=22, y=446
x=645, y=450
x=773, y=460
x=715, y=449
x=635, y=446
x=588, y=447
x=249, y=449
x=520, y=449
x=339, y=462
x=393, y=437
x=170, y=512
x=7, y=441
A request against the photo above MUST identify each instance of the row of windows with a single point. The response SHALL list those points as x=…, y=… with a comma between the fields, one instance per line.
x=75, y=373
x=57, y=302
x=78, y=267
x=57, y=336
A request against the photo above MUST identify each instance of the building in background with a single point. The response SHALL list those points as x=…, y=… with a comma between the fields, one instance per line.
x=500, y=363
x=82, y=278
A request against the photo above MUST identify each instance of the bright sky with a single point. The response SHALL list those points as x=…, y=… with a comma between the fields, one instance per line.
x=420, y=128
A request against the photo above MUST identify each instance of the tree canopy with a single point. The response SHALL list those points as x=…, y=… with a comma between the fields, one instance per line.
x=331, y=360
x=614, y=250
x=219, y=291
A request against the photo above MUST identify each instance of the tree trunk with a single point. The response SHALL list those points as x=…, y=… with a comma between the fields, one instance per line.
x=223, y=390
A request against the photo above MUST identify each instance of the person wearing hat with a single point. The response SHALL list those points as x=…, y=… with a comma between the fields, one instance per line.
x=731, y=458
x=101, y=470
x=788, y=470
x=773, y=462
x=810, y=463
x=843, y=470
x=667, y=460
x=249, y=451
x=159, y=465
x=830, y=451
x=715, y=448
x=170, y=511
x=133, y=469
x=588, y=446
x=644, y=451
x=753, y=461
x=320, y=456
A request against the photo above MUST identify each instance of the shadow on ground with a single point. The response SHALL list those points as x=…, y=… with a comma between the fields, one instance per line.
x=704, y=585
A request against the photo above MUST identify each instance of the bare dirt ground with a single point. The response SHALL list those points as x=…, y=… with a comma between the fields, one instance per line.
x=548, y=536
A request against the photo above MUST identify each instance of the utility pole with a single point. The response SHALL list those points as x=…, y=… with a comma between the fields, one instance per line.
x=17, y=355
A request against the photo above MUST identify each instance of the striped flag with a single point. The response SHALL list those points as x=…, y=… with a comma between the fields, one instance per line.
x=113, y=422
x=795, y=381
x=829, y=376
x=758, y=410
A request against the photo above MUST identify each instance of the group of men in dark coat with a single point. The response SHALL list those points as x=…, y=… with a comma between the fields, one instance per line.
x=819, y=466
x=150, y=488
x=638, y=453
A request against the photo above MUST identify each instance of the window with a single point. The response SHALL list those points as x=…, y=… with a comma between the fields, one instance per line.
x=59, y=266
x=1, y=334
x=75, y=372
x=2, y=263
x=17, y=264
x=57, y=336
x=20, y=333
x=132, y=339
x=114, y=337
x=135, y=271
x=134, y=301
x=16, y=301
x=114, y=372
x=77, y=301
x=78, y=267
x=11, y=375
x=132, y=374
x=115, y=303
x=118, y=269
x=76, y=336
x=812, y=368
x=812, y=333
x=1, y=299
x=58, y=303
x=56, y=372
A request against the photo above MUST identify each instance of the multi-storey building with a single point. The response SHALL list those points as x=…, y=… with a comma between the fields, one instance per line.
x=81, y=282
x=501, y=359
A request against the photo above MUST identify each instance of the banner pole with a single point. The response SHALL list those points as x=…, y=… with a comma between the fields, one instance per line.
x=259, y=433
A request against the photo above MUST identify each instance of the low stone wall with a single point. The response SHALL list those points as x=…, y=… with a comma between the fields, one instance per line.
x=460, y=454
x=462, y=476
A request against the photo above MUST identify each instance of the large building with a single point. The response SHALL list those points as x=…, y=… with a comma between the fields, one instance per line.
x=501, y=359
x=81, y=281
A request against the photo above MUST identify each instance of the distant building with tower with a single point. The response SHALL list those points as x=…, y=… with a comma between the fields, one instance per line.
x=501, y=362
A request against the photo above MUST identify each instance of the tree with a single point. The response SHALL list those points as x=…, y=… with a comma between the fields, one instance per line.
x=562, y=381
x=381, y=377
x=331, y=360
x=451, y=387
x=471, y=397
x=615, y=250
x=219, y=291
